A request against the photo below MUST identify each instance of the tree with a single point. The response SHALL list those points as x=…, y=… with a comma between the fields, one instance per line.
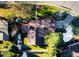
x=26, y=9
x=75, y=25
x=46, y=10
x=6, y=46
x=53, y=40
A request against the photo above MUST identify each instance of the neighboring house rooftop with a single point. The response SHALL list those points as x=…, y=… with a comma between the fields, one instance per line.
x=4, y=26
x=4, y=29
x=64, y=23
x=72, y=50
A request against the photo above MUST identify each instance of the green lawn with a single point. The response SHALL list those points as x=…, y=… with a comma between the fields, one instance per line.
x=9, y=12
x=32, y=46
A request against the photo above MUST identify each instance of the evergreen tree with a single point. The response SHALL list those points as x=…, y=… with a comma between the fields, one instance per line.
x=53, y=40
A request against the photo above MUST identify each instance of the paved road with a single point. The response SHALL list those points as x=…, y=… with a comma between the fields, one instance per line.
x=74, y=5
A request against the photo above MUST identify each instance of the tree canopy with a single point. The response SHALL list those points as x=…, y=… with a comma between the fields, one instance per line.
x=75, y=25
x=46, y=10
x=53, y=40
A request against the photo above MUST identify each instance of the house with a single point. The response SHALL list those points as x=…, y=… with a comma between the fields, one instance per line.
x=72, y=50
x=61, y=25
x=3, y=30
x=38, y=28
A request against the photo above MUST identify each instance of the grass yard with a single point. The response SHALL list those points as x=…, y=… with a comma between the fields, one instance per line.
x=36, y=48
x=9, y=12
x=32, y=46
